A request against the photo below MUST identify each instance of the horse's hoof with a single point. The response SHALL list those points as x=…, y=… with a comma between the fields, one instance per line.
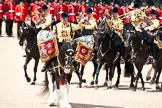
x=105, y=84
x=135, y=88
x=28, y=79
x=33, y=83
x=143, y=88
x=157, y=87
x=52, y=104
x=84, y=81
x=65, y=105
x=109, y=87
x=79, y=86
x=152, y=82
x=92, y=83
x=115, y=86
x=96, y=86
x=148, y=78
x=131, y=86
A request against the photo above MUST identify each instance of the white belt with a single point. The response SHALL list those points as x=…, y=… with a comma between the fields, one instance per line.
x=11, y=11
x=52, y=8
x=60, y=12
x=71, y=13
x=93, y=12
x=1, y=10
x=160, y=17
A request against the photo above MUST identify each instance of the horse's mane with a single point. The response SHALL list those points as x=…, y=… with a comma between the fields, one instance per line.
x=63, y=48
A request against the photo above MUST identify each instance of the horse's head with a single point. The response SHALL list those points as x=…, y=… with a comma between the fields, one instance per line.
x=66, y=56
x=128, y=34
x=25, y=30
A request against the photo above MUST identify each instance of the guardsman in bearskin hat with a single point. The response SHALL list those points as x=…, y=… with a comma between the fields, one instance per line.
x=21, y=14
x=2, y=13
x=83, y=7
x=55, y=4
x=10, y=15
x=44, y=19
x=72, y=11
x=61, y=8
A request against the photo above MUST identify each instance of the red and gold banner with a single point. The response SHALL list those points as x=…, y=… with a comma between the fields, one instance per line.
x=83, y=54
x=48, y=49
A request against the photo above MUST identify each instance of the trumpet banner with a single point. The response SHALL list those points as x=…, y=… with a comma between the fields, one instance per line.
x=48, y=49
x=83, y=53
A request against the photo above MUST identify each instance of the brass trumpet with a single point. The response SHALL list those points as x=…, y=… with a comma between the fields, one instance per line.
x=40, y=18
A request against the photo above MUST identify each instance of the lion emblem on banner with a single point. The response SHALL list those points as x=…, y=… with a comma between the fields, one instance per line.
x=83, y=53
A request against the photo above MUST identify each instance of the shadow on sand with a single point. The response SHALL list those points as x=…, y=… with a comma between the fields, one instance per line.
x=76, y=105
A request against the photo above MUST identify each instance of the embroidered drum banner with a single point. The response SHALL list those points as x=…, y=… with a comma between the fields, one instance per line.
x=83, y=53
x=48, y=49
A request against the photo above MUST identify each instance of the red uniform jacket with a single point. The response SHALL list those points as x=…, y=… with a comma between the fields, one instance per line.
x=2, y=10
x=21, y=12
x=94, y=14
x=110, y=8
x=10, y=10
x=60, y=9
x=55, y=5
x=51, y=10
x=83, y=9
x=99, y=11
x=72, y=13
x=160, y=15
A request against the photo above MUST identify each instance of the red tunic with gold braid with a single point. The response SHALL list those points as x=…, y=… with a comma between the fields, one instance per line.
x=72, y=13
x=11, y=10
x=2, y=10
x=21, y=13
x=83, y=9
x=60, y=9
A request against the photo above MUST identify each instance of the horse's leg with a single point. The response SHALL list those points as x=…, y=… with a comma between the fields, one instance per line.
x=94, y=73
x=132, y=80
x=137, y=78
x=106, y=78
x=111, y=72
x=143, y=87
x=35, y=71
x=119, y=73
x=81, y=73
x=64, y=103
x=97, y=73
x=158, y=70
x=148, y=76
x=25, y=68
x=51, y=100
x=154, y=77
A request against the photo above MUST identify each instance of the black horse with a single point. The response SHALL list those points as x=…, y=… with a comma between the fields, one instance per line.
x=79, y=68
x=107, y=52
x=59, y=73
x=138, y=42
x=28, y=33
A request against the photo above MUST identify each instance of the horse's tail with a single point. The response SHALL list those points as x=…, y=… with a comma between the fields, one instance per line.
x=128, y=69
x=45, y=88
